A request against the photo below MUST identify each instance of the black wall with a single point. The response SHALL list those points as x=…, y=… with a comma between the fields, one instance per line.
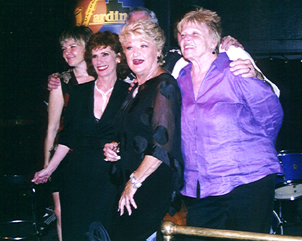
x=263, y=26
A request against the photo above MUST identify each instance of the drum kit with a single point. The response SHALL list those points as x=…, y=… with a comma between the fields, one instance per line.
x=288, y=185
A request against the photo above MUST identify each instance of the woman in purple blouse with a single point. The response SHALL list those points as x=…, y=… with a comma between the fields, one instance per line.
x=229, y=127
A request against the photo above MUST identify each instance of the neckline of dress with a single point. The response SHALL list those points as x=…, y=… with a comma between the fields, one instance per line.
x=148, y=80
x=104, y=96
x=102, y=92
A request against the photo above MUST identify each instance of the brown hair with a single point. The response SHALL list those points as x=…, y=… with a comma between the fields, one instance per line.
x=105, y=39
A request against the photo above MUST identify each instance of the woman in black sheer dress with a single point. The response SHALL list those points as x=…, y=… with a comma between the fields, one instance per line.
x=151, y=162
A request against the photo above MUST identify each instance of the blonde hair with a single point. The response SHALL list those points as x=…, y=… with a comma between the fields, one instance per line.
x=147, y=31
x=79, y=34
x=209, y=18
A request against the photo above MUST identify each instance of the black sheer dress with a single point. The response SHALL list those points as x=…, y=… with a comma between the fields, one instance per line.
x=89, y=193
x=150, y=125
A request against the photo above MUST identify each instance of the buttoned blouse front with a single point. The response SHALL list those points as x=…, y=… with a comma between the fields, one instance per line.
x=228, y=131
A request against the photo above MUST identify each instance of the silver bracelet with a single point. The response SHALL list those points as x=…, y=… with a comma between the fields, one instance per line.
x=134, y=181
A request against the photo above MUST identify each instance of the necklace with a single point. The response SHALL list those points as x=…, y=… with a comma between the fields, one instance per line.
x=104, y=96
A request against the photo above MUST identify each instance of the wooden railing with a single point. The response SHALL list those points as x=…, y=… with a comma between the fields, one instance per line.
x=169, y=229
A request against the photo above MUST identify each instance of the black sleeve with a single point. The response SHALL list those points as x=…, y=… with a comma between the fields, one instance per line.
x=166, y=125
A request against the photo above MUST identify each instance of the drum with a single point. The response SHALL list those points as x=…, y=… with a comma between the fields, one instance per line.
x=289, y=184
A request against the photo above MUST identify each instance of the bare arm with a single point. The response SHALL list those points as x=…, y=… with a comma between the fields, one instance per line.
x=146, y=168
x=55, y=107
x=43, y=175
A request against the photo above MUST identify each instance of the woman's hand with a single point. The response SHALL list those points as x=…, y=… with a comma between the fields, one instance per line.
x=127, y=199
x=53, y=81
x=110, y=152
x=41, y=176
x=145, y=169
x=228, y=41
x=243, y=67
x=132, y=84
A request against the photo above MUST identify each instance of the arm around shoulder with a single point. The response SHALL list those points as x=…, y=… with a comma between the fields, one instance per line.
x=239, y=53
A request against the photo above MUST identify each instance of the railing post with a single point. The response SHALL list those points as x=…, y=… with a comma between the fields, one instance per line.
x=167, y=229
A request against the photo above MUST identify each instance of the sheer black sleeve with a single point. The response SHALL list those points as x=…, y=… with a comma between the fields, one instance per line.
x=166, y=125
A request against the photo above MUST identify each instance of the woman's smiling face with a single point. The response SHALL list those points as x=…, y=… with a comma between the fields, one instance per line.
x=105, y=61
x=73, y=53
x=141, y=54
x=195, y=41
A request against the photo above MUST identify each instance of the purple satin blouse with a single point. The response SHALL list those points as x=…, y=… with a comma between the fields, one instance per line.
x=228, y=131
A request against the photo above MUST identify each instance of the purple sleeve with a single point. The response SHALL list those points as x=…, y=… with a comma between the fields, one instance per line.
x=263, y=103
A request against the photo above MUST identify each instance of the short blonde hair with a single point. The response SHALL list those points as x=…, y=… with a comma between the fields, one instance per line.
x=79, y=34
x=146, y=30
x=209, y=18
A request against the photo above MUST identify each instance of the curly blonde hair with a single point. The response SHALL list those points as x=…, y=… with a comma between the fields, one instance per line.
x=209, y=18
x=147, y=31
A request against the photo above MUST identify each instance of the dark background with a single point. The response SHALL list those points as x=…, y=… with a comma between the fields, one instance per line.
x=270, y=30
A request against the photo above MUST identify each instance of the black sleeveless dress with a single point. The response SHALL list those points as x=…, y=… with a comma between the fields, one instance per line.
x=68, y=82
x=88, y=191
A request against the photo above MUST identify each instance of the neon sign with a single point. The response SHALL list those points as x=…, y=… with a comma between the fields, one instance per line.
x=101, y=15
